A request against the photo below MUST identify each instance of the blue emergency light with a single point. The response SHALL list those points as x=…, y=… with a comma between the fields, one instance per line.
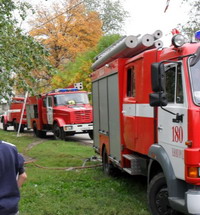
x=68, y=90
x=197, y=35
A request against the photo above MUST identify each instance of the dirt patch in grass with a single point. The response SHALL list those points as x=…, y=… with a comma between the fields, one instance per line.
x=29, y=147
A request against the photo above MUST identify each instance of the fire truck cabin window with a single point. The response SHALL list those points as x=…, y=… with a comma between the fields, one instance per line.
x=174, y=85
x=131, y=82
x=50, y=102
x=71, y=99
x=195, y=82
x=44, y=102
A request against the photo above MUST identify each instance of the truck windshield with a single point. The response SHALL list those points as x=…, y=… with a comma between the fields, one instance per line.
x=195, y=83
x=71, y=99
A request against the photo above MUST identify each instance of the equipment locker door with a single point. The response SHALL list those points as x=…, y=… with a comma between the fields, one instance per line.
x=95, y=102
x=50, y=110
x=113, y=115
x=173, y=133
x=129, y=110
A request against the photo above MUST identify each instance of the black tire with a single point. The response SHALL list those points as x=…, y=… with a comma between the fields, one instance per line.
x=38, y=133
x=108, y=168
x=58, y=132
x=157, y=195
x=90, y=133
x=5, y=126
x=22, y=128
x=15, y=125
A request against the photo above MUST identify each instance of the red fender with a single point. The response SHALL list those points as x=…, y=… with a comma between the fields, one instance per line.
x=59, y=121
x=4, y=118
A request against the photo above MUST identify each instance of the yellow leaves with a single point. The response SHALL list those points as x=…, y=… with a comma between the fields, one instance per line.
x=68, y=30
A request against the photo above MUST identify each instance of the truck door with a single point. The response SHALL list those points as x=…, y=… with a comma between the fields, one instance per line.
x=50, y=110
x=129, y=109
x=172, y=133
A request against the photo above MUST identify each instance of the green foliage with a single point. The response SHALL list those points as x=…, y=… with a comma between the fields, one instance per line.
x=20, y=54
x=76, y=192
x=193, y=23
x=80, y=70
x=106, y=41
x=111, y=13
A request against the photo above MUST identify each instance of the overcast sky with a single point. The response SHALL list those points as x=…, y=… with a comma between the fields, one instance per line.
x=146, y=16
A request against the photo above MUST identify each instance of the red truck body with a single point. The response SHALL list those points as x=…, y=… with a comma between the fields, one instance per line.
x=12, y=117
x=64, y=111
x=147, y=120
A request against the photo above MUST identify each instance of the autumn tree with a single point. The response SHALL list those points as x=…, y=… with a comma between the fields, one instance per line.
x=80, y=69
x=66, y=30
x=20, y=54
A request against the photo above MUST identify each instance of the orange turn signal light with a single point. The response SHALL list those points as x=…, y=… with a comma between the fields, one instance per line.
x=188, y=143
x=193, y=172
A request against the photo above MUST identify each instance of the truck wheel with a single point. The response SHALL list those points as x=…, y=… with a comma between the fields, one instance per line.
x=15, y=125
x=35, y=129
x=107, y=166
x=90, y=133
x=38, y=133
x=21, y=128
x=158, y=196
x=4, y=126
x=57, y=131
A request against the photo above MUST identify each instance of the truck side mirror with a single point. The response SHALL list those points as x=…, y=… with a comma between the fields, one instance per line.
x=158, y=81
x=158, y=77
x=158, y=99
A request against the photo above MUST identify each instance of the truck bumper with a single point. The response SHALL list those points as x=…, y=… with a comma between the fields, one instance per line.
x=193, y=201
x=78, y=127
x=189, y=205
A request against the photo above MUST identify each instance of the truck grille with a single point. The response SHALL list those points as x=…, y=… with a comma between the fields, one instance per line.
x=83, y=116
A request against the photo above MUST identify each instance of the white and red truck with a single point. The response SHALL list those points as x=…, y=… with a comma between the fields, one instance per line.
x=62, y=111
x=146, y=104
x=15, y=115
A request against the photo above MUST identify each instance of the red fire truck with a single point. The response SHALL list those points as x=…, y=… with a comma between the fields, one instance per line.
x=63, y=111
x=13, y=115
x=147, y=118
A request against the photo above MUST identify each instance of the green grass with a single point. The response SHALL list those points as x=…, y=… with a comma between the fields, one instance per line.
x=76, y=192
x=21, y=142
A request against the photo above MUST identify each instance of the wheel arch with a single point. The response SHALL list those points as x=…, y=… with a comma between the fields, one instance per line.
x=153, y=169
x=176, y=187
x=160, y=160
x=4, y=119
x=59, y=121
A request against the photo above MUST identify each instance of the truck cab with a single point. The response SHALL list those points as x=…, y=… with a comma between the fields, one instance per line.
x=178, y=123
x=63, y=111
x=13, y=115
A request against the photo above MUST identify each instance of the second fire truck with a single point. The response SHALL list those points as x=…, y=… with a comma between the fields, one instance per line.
x=63, y=111
x=15, y=115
